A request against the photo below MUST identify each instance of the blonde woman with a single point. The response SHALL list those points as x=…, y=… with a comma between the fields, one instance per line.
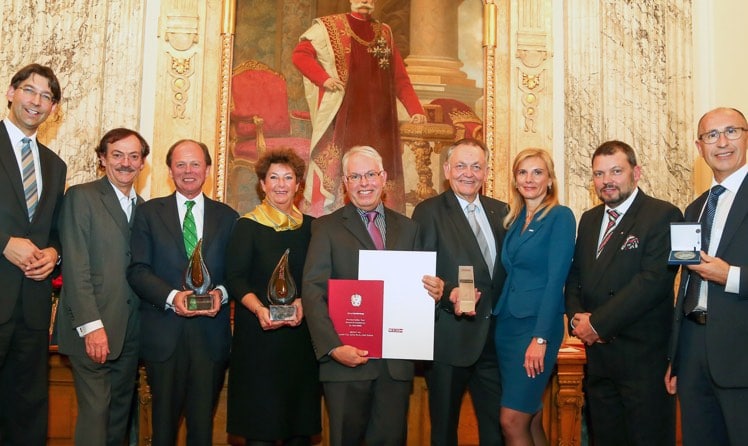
x=537, y=254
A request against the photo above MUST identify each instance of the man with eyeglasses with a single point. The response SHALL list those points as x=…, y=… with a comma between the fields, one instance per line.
x=708, y=360
x=31, y=189
x=464, y=351
x=367, y=399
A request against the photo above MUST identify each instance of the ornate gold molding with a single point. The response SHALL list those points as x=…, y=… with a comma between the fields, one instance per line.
x=490, y=15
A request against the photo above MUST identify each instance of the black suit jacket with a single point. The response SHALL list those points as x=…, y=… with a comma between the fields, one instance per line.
x=159, y=261
x=727, y=330
x=42, y=230
x=629, y=288
x=459, y=341
x=333, y=254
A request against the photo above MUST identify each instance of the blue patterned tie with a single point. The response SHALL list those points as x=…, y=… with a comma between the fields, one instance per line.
x=707, y=219
x=28, y=174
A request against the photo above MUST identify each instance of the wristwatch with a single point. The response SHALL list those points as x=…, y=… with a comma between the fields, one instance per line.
x=541, y=341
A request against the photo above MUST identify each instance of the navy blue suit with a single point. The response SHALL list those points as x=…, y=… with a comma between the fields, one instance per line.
x=159, y=261
x=720, y=345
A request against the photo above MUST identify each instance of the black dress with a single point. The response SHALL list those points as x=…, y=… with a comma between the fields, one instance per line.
x=274, y=390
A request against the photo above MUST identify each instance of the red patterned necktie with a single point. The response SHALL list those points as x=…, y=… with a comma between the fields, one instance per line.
x=612, y=218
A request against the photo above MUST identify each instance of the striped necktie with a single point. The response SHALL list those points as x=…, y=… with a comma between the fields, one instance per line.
x=189, y=229
x=479, y=236
x=28, y=173
x=612, y=218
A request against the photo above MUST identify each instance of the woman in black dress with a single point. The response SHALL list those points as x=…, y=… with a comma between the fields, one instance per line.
x=274, y=391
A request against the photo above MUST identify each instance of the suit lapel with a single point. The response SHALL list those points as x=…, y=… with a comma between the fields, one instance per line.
x=170, y=218
x=464, y=233
x=736, y=217
x=9, y=162
x=353, y=223
x=111, y=204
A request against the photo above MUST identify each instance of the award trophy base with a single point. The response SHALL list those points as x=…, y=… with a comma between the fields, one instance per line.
x=199, y=302
x=282, y=312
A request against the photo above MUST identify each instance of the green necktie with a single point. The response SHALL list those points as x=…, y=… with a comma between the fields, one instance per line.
x=189, y=230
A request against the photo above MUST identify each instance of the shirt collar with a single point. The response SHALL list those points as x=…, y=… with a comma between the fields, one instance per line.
x=734, y=181
x=120, y=195
x=15, y=134
x=463, y=202
x=199, y=200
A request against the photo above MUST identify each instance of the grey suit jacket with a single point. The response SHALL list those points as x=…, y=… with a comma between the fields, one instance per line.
x=42, y=230
x=95, y=235
x=726, y=330
x=459, y=341
x=333, y=254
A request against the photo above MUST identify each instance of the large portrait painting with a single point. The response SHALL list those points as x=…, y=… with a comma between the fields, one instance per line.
x=408, y=84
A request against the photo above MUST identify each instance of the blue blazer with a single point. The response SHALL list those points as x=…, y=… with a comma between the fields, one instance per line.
x=537, y=262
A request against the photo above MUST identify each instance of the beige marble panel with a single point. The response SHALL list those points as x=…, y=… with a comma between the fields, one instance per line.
x=94, y=47
x=628, y=77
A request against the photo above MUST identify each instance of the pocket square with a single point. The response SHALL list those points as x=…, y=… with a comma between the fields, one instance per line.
x=632, y=242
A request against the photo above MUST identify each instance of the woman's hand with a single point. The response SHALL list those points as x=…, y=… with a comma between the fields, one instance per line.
x=534, y=356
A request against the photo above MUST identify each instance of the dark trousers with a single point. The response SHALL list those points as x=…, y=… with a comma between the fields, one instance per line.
x=710, y=414
x=373, y=412
x=628, y=403
x=188, y=384
x=24, y=374
x=447, y=385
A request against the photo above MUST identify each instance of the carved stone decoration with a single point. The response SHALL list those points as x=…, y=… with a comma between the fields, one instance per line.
x=180, y=70
x=533, y=54
x=181, y=31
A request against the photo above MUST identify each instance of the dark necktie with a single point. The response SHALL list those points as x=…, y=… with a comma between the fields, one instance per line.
x=707, y=219
x=374, y=232
x=479, y=236
x=612, y=218
x=28, y=173
x=189, y=229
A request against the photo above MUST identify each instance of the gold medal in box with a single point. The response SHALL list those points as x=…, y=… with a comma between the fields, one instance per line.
x=685, y=244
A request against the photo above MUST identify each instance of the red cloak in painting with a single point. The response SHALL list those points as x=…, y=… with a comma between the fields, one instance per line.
x=360, y=52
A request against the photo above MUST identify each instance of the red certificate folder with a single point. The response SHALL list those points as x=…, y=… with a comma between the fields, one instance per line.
x=355, y=308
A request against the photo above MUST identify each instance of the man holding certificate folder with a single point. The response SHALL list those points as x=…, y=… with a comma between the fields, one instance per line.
x=367, y=399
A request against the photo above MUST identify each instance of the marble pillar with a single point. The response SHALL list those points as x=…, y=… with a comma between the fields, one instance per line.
x=628, y=77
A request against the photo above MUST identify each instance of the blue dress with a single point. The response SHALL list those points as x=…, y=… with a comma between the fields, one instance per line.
x=537, y=261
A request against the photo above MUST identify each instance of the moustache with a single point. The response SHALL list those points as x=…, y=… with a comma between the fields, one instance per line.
x=126, y=169
x=357, y=6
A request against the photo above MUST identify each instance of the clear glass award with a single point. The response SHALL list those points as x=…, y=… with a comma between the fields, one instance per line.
x=197, y=279
x=282, y=292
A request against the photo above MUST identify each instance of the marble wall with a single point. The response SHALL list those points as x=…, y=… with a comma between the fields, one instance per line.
x=628, y=73
x=95, y=49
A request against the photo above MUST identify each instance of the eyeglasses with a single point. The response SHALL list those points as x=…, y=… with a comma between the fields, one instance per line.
x=712, y=136
x=31, y=93
x=357, y=177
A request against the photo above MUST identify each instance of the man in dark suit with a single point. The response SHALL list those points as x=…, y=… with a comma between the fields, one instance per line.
x=185, y=351
x=32, y=183
x=464, y=351
x=619, y=300
x=98, y=324
x=708, y=353
x=367, y=399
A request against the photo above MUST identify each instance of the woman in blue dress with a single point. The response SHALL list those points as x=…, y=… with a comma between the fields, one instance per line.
x=537, y=254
